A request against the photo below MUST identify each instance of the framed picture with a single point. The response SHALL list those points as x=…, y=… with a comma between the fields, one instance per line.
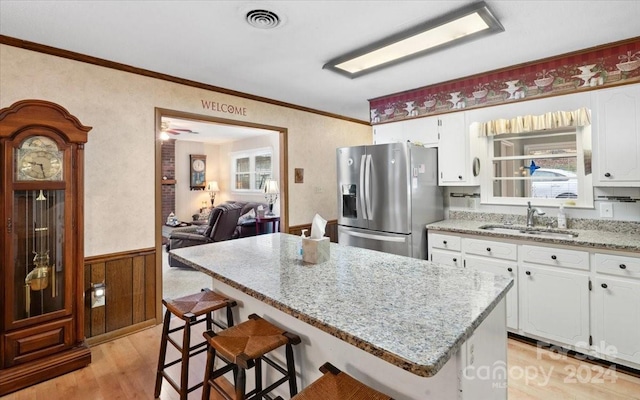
x=299, y=175
x=198, y=171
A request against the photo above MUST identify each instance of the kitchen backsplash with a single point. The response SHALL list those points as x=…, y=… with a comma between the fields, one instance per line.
x=626, y=227
x=625, y=203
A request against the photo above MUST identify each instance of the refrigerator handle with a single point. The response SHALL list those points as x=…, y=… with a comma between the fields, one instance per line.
x=363, y=204
x=367, y=187
x=394, y=239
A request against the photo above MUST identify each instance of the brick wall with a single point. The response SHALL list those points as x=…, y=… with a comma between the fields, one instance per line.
x=168, y=157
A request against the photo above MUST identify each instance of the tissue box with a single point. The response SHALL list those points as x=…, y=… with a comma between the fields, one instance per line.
x=315, y=251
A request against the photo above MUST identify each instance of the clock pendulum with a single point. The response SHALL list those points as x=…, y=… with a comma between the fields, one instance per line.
x=38, y=278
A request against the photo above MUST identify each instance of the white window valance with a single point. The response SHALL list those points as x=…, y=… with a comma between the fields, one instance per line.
x=532, y=123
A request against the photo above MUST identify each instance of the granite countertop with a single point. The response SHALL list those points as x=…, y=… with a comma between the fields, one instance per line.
x=412, y=313
x=596, y=239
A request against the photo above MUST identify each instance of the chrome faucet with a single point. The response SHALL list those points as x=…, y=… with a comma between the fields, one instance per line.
x=531, y=212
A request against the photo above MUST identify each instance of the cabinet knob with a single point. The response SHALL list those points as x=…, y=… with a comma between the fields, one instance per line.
x=608, y=175
x=622, y=266
x=444, y=242
x=455, y=260
x=528, y=272
x=604, y=286
x=553, y=257
x=489, y=249
x=510, y=269
x=460, y=177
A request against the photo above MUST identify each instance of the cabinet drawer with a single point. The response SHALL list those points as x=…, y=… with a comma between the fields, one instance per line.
x=446, y=258
x=445, y=242
x=629, y=267
x=487, y=248
x=575, y=259
x=32, y=343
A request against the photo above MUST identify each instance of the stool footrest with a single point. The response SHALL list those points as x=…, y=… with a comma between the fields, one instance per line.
x=274, y=365
x=175, y=385
x=259, y=395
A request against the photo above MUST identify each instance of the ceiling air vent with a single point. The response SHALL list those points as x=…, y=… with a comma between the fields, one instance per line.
x=263, y=19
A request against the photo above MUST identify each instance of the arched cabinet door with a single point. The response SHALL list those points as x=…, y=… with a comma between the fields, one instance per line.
x=42, y=325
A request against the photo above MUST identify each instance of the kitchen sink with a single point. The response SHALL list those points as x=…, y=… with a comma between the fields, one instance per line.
x=524, y=231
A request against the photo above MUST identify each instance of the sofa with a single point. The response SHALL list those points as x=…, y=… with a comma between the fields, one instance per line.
x=247, y=222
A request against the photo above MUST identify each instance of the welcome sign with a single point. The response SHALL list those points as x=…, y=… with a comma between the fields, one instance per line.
x=223, y=107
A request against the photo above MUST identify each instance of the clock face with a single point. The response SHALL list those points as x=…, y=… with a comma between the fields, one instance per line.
x=198, y=165
x=38, y=158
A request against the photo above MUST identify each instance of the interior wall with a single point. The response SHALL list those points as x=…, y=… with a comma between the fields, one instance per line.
x=120, y=154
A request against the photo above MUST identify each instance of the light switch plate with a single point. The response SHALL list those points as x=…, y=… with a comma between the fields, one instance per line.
x=606, y=210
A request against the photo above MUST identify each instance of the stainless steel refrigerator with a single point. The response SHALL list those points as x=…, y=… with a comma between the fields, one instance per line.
x=387, y=194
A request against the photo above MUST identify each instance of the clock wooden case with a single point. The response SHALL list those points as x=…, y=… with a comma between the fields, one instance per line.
x=198, y=171
x=42, y=244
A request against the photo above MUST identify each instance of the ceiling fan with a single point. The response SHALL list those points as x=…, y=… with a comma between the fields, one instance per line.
x=166, y=128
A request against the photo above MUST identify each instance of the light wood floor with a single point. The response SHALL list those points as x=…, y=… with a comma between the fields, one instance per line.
x=125, y=369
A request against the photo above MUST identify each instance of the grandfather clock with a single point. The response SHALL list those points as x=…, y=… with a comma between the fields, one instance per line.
x=41, y=246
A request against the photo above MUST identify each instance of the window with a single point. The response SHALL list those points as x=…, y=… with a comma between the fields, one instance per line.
x=250, y=169
x=550, y=167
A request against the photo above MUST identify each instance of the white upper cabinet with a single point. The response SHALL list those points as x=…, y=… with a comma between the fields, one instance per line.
x=617, y=137
x=458, y=147
x=388, y=133
x=422, y=131
x=419, y=130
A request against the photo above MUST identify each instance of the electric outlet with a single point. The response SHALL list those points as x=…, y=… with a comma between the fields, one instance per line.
x=606, y=210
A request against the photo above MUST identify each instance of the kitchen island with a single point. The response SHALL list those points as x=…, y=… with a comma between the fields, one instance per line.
x=409, y=328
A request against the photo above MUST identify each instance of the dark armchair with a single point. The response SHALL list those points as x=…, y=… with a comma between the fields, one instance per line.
x=221, y=226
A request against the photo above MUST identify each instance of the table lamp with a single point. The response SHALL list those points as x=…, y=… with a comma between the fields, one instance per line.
x=271, y=191
x=212, y=188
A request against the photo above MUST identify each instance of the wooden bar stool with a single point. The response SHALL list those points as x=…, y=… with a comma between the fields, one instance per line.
x=336, y=385
x=245, y=346
x=188, y=309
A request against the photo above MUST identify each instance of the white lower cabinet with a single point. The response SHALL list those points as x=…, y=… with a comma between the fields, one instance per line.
x=554, y=304
x=616, y=319
x=570, y=296
x=502, y=268
x=616, y=307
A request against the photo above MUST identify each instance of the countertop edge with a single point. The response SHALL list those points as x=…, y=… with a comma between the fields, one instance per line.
x=417, y=369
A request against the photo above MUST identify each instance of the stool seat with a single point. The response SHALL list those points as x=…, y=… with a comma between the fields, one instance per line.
x=336, y=385
x=243, y=347
x=250, y=340
x=197, y=304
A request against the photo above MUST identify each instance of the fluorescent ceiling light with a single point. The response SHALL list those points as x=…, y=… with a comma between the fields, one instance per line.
x=460, y=26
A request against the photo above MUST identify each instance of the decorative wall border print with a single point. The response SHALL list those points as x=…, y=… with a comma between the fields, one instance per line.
x=597, y=67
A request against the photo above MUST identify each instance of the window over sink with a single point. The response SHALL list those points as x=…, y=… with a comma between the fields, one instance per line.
x=547, y=167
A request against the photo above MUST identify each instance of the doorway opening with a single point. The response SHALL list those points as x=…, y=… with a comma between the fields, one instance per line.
x=220, y=140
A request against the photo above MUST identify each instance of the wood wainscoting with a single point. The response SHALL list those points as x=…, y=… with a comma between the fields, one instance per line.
x=130, y=294
x=331, y=230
